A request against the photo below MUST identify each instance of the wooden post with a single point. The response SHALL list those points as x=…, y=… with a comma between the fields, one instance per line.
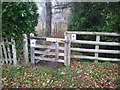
x=97, y=47
x=43, y=30
x=32, y=44
x=25, y=48
x=1, y=54
x=67, y=50
x=8, y=49
x=55, y=28
x=56, y=50
x=5, y=53
x=14, y=51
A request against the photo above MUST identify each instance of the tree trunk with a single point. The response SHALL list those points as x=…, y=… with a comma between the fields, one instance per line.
x=48, y=19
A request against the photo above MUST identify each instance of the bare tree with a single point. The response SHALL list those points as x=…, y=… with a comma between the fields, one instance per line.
x=48, y=19
x=59, y=6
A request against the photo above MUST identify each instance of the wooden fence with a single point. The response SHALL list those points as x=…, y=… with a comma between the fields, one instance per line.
x=97, y=43
x=8, y=52
x=56, y=47
x=59, y=48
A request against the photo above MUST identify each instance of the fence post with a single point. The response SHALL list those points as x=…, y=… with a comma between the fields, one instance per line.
x=1, y=52
x=25, y=48
x=8, y=49
x=56, y=50
x=67, y=50
x=14, y=51
x=5, y=53
x=32, y=44
x=97, y=47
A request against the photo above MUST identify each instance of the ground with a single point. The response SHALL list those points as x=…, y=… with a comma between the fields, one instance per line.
x=47, y=75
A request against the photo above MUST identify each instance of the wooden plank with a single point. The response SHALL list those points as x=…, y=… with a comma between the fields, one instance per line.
x=93, y=33
x=32, y=49
x=25, y=48
x=9, y=43
x=48, y=59
x=95, y=43
x=1, y=53
x=67, y=50
x=47, y=53
x=46, y=46
x=5, y=53
x=96, y=51
x=94, y=58
x=56, y=50
x=46, y=38
x=97, y=46
x=9, y=53
x=38, y=38
x=32, y=55
x=14, y=52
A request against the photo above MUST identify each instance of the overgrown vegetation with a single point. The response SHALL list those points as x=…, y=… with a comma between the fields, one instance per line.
x=18, y=18
x=96, y=17
x=78, y=75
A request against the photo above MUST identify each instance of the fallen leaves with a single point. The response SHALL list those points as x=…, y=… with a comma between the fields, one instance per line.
x=62, y=73
x=80, y=74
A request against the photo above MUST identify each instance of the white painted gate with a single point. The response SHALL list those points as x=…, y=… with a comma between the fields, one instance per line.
x=8, y=52
x=48, y=49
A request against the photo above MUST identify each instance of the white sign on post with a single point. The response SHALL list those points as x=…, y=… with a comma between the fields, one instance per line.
x=73, y=36
x=32, y=42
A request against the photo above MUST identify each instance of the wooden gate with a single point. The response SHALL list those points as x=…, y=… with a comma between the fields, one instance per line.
x=48, y=49
x=8, y=52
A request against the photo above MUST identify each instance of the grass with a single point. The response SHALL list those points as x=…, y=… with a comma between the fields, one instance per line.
x=78, y=75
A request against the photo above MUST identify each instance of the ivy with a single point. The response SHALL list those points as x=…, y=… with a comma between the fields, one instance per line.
x=18, y=18
x=95, y=16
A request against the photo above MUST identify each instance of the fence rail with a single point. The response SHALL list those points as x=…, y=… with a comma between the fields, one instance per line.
x=93, y=33
x=96, y=51
x=96, y=43
x=94, y=58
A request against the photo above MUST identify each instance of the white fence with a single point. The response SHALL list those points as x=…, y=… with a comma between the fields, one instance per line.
x=52, y=48
x=97, y=43
x=8, y=52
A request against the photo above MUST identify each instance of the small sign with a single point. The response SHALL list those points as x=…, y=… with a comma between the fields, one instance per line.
x=32, y=42
x=65, y=37
x=51, y=39
x=73, y=36
x=59, y=40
